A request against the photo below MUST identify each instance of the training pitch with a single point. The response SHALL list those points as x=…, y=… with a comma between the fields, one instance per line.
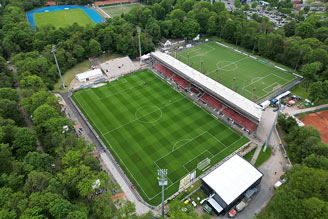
x=249, y=73
x=117, y=10
x=148, y=125
x=62, y=18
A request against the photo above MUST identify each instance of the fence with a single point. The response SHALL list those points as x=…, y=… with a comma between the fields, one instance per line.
x=284, y=89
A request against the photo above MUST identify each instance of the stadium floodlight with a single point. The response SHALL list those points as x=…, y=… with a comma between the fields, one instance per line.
x=53, y=51
x=162, y=181
x=139, y=30
x=273, y=126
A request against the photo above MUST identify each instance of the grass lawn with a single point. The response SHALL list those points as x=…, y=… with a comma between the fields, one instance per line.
x=117, y=10
x=249, y=73
x=249, y=156
x=263, y=156
x=62, y=18
x=70, y=75
x=148, y=125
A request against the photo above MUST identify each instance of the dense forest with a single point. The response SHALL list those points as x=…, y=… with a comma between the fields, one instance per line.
x=55, y=181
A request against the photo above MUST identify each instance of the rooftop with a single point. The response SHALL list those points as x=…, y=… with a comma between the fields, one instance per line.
x=238, y=102
x=232, y=178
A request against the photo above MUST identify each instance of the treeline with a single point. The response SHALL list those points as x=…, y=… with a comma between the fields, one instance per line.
x=301, y=45
x=58, y=179
x=305, y=195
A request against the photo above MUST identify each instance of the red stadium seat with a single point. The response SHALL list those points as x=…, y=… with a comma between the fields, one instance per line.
x=164, y=70
x=212, y=101
x=241, y=120
x=181, y=81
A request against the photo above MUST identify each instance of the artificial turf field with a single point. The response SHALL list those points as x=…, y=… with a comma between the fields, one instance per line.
x=148, y=125
x=249, y=73
x=62, y=18
x=117, y=10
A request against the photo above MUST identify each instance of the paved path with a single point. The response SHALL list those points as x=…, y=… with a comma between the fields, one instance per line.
x=295, y=110
x=140, y=207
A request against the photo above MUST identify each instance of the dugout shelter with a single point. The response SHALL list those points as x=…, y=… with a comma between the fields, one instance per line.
x=228, y=184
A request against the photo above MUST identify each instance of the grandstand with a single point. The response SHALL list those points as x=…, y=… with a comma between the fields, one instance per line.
x=226, y=102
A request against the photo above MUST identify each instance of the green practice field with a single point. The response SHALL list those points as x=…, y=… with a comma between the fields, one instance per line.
x=62, y=18
x=148, y=125
x=117, y=10
x=249, y=72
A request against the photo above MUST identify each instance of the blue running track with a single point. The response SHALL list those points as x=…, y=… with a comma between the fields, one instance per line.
x=89, y=11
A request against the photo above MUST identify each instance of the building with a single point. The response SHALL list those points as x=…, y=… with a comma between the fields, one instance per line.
x=240, y=110
x=89, y=75
x=165, y=42
x=228, y=183
x=118, y=67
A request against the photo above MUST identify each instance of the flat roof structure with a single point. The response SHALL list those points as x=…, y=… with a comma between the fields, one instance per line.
x=118, y=67
x=243, y=105
x=232, y=178
x=89, y=75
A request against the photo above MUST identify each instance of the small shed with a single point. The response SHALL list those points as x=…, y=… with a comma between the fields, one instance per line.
x=165, y=42
x=89, y=75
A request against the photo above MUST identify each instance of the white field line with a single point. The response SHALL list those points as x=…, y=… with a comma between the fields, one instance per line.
x=159, y=108
x=239, y=60
x=151, y=198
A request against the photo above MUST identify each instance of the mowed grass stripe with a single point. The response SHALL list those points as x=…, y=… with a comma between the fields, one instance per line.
x=232, y=64
x=62, y=18
x=150, y=122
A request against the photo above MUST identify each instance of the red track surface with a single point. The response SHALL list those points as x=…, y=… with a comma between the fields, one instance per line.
x=320, y=121
x=109, y=2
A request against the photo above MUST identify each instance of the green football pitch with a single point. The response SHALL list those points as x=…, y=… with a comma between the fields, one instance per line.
x=148, y=125
x=249, y=73
x=117, y=10
x=62, y=18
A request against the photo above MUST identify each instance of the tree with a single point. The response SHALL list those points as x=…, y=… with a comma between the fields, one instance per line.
x=309, y=72
x=25, y=141
x=304, y=30
x=37, y=99
x=237, y=4
x=246, y=7
x=254, y=4
x=289, y=28
x=154, y=30
x=8, y=110
x=37, y=161
x=316, y=161
x=94, y=48
x=176, y=29
x=8, y=93
x=37, y=181
x=61, y=208
x=191, y=28
x=306, y=9
x=177, y=14
x=44, y=113
x=287, y=123
x=302, y=142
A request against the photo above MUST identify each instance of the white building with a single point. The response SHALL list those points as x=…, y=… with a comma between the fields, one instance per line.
x=228, y=184
x=89, y=75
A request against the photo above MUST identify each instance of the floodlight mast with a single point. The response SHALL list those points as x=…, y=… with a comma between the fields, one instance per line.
x=61, y=78
x=139, y=30
x=162, y=181
x=273, y=126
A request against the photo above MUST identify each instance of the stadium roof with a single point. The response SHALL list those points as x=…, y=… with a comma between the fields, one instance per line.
x=89, y=74
x=238, y=102
x=118, y=67
x=232, y=178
